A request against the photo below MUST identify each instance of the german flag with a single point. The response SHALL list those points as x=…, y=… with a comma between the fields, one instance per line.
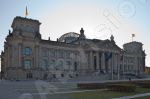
x=26, y=14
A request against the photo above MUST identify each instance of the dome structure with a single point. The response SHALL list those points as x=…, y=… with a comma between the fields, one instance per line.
x=68, y=37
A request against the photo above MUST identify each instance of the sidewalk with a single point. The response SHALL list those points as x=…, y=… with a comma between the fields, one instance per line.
x=134, y=96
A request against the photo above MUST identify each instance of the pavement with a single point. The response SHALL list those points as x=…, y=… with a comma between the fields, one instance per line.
x=45, y=90
x=34, y=89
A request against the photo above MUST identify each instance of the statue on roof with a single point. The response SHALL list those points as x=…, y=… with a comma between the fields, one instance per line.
x=82, y=36
x=9, y=31
x=112, y=38
x=81, y=31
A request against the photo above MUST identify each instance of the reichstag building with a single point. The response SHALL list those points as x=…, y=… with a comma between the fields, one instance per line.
x=27, y=56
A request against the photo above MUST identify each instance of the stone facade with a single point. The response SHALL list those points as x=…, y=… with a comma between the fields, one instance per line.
x=27, y=56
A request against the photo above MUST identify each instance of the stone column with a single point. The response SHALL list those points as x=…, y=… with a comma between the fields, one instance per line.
x=15, y=55
x=137, y=65
x=12, y=59
x=97, y=60
x=91, y=60
x=36, y=56
x=39, y=57
x=127, y=63
x=141, y=64
x=103, y=61
x=8, y=56
x=112, y=63
x=88, y=58
x=123, y=64
x=19, y=55
x=118, y=65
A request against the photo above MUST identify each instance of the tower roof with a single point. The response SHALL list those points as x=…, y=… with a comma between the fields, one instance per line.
x=24, y=20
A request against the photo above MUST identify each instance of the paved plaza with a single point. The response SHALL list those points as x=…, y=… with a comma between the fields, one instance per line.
x=46, y=90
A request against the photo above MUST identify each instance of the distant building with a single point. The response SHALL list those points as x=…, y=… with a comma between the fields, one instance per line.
x=27, y=56
x=147, y=70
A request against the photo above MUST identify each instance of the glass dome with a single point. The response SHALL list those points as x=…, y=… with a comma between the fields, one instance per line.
x=68, y=37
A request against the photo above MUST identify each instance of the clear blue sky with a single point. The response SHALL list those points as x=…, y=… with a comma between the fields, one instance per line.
x=99, y=18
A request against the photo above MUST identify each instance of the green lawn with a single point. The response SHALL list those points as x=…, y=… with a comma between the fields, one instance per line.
x=146, y=97
x=98, y=94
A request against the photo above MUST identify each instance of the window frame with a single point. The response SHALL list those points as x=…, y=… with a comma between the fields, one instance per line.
x=27, y=65
x=27, y=51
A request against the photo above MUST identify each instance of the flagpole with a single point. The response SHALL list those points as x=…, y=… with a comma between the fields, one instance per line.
x=133, y=35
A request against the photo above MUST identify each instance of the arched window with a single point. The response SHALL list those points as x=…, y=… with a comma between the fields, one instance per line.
x=27, y=51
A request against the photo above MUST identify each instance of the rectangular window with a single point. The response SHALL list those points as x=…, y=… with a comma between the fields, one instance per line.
x=27, y=64
x=76, y=55
x=44, y=64
x=45, y=52
x=60, y=54
x=52, y=54
x=52, y=63
x=27, y=51
x=68, y=63
x=75, y=66
x=29, y=75
x=68, y=55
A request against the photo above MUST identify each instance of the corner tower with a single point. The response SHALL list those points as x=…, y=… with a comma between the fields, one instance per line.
x=26, y=27
x=21, y=49
x=134, y=57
